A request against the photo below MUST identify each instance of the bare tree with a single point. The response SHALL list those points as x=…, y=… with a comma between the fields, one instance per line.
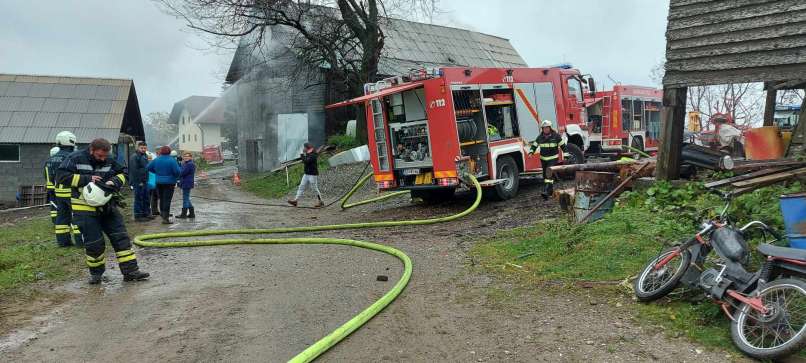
x=743, y=102
x=790, y=97
x=345, y=37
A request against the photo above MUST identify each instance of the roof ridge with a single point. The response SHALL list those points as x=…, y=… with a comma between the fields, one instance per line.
x=59, y=76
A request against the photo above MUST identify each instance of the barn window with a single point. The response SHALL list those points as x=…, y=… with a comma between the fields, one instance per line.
x=9, y=153
x=183, y=138
x=196, y=137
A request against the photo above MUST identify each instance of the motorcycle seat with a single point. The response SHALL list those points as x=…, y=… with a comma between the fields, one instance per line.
x=783, y=252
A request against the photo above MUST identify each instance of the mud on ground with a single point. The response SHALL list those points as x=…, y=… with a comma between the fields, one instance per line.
x=267, y=303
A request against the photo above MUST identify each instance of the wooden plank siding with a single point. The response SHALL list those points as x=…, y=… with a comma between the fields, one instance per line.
x=735, y=41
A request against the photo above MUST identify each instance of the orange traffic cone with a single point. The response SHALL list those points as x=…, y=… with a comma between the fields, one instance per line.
x=236, y=179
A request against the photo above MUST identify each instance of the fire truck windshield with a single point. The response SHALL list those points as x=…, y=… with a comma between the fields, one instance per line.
x=575, y=89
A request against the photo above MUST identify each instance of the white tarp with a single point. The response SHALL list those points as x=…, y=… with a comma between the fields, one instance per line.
x=353, y=155
x=292, y=132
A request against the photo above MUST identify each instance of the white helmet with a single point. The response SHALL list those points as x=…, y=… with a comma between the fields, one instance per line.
x=95, y=195
x=174, y=153
x=54, y=150
x=546, y=123
x=66, y=138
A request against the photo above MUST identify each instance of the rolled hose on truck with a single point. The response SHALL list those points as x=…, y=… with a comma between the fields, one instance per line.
x=321, y=346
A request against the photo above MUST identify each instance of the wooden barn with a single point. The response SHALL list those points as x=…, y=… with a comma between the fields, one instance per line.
x=712, y=42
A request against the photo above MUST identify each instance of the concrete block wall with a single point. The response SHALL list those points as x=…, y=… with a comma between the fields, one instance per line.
x=29, y=171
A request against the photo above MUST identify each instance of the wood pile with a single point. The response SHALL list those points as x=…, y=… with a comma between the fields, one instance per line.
x=761, y=173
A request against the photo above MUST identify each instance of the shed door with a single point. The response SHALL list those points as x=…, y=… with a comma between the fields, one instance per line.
x=292, y=132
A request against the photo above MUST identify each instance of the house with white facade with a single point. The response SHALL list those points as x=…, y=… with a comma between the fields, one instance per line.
x=199, y=120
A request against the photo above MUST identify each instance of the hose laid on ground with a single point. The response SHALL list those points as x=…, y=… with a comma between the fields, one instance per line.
x=357, y=321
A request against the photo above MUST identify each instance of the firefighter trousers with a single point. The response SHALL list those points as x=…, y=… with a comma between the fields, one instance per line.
x=548, y=180
x=67, y=232
x=107, y=220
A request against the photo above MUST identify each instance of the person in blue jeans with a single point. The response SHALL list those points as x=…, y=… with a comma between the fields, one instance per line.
x=138, y=179
x=186, y=183
x=167, y=171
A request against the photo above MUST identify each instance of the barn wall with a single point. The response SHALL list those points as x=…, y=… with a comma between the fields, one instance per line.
x=256, y=100
x=29, y=171
x=735, y=41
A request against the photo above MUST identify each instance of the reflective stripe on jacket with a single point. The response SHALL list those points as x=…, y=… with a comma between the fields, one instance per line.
x=77, y=170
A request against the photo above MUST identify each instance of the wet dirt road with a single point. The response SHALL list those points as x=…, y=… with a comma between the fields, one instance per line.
x=267, y=303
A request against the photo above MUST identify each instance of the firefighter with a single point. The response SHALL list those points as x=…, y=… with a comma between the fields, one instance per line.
x=548, y=144
x=65, y=228
x=94, y=179
x=51, y=188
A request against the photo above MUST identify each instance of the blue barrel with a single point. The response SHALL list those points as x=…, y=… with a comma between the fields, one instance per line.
x=793, y=209
x=797, y=241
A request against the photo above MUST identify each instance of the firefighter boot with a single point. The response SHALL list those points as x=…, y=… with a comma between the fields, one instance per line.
x=95, y=279
x=184, y=214
x=166, y=218
x=545, y=192
x=192, y=213
x=136, y=275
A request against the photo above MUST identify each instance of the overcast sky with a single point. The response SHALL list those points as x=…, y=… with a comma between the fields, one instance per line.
x=133, y=39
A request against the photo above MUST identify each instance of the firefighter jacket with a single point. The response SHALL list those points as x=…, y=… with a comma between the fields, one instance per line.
x=548, y=145
x=51, y=168
x=77, y=170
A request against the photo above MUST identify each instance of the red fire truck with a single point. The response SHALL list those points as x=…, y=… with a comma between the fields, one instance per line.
x=625, y=115
x=425, y=127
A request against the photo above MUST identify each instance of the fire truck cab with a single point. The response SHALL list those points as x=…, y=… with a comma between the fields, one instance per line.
x=425, y=129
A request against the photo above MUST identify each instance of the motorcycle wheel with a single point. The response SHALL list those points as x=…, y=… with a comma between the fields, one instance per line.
x=654, y=284
x=779, y=332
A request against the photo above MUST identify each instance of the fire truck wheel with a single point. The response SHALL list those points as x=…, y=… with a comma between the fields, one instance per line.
x=432, y=196
x=506, y=169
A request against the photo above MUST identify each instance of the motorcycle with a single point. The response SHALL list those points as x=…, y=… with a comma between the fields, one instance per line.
x=767, y=307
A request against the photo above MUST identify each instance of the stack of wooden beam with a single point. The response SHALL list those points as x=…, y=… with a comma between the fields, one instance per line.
x=766, y=173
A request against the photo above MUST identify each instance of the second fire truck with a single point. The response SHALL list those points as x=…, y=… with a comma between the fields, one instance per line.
x=427, y=128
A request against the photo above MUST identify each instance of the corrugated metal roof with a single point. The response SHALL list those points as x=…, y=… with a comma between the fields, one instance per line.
x=33, y=109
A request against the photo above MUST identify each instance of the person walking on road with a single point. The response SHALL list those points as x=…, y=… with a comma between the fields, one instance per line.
x=186, y=183
x=551, y=146
x=309, y=158
x=138, y=179
x=167, y=171
x=94, y=179
x=65, y=227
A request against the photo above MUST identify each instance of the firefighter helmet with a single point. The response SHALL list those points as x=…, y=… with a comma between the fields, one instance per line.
x=66, y=138
x=546, y=123
x=95, y=195
x=54, y=150
x=174, y=153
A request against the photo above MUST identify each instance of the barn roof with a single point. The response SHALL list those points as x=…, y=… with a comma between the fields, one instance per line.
x=411, y=45
x=33, y=109
x=735, y=41
x=194, y=104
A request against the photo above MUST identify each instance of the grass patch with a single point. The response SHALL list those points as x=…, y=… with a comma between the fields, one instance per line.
x=273, y=185
x=343, y=142
x=28, y=253
x=617, y=247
